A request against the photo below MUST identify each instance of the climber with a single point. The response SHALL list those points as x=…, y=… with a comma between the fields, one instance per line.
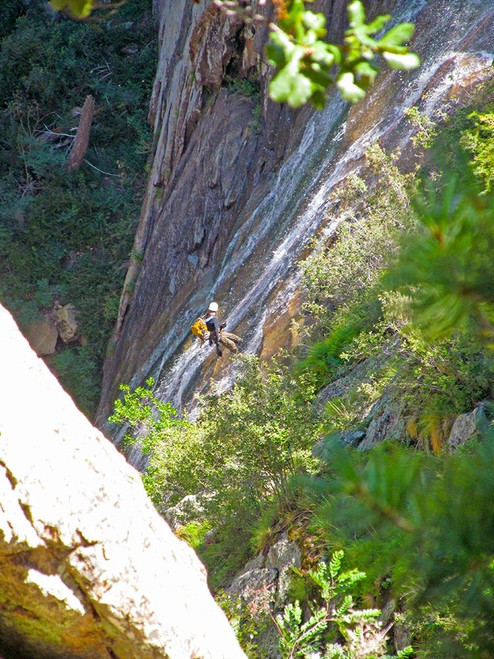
x=214, y=327
x=216, y=333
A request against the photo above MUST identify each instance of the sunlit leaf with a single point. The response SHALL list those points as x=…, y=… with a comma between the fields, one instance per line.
x=378, y=23
x=80, y=8
x=348, y=89
x=289, y=85
x=398, y=35
x=356, y=13
x=405, y=62
x=366, y=73
x=315, y=22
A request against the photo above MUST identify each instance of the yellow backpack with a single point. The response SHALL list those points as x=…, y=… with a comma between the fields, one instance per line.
x=199, y=328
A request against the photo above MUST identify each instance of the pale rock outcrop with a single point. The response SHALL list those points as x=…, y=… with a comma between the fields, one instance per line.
x=262, y=587
x=190, y=508
x=284, y=556
x=88, y=569
x=388, y=421
x=466, y=427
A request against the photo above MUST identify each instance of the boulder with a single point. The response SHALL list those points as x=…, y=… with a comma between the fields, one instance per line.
x=189, y=509
x=263, y=583
x=42, y=336
x=256, y=588
x=66, y=323
x=88, y=569
x=387, y=420
x=466, y=427
x=283, y=556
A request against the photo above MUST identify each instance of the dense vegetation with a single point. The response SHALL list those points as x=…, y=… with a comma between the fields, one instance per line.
x=399, y=313
x=65, y=236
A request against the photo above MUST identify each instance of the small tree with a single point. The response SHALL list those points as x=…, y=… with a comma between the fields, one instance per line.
x=363, y=633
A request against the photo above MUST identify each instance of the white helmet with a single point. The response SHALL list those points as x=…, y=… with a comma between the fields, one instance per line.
x=213, y=307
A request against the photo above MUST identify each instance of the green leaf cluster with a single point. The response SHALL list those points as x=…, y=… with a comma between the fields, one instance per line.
x=478, y=139
x=446, y=268
x=431, y=516
x=238, y=457
x=360, y=632
x=78, y=8
x=307, y=65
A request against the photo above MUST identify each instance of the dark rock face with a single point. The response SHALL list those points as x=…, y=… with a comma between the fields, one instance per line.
x=239, y=185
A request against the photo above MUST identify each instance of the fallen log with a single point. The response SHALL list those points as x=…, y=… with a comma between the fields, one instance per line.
x=81, y=141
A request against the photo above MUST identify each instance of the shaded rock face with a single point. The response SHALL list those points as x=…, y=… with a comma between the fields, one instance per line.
x=262, y=586
x=88, y=569
x=466, y=427
x=263, y=583
x=239, y=185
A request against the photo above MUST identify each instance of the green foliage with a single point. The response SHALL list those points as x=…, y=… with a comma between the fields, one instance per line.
x=261, y=433
x=244, y=86
x=194, y=532
x=359, y=628
x=345, y=264
x=429, y=517
x=160, y=434
x=362, y=322
x=246, y=624
x=427, y=129
x=11, y=10
x=142, y=411
x=305, y=63
x=325, y=358
x=80, y=374
x=72, y=230
x=238, y=457
x=445, y=543
x=479, y=140
x=446, y=269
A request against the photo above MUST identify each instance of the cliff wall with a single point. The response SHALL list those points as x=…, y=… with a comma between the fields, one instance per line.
x=239, y=185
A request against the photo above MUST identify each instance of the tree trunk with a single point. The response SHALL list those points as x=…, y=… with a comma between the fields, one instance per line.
x=81, y=140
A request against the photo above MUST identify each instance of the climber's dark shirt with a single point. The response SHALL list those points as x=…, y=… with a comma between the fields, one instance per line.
x=213, y=325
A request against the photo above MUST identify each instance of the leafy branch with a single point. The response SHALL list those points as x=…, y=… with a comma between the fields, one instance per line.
x=361, y=630
x=306, y=65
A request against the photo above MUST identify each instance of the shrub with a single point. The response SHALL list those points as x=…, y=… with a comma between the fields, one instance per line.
x=240, y=454
x=479, y=140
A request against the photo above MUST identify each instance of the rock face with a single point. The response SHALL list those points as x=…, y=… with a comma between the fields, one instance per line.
x=239, y=186
x=262, y=586
x=467, y=426
x=263, y=583
x=88, y=569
